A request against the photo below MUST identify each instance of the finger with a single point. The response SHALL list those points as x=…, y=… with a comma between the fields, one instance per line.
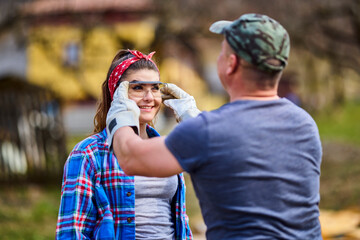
x=171, y=89
x=168, y=103
x=166, y=92
x=167, y=97
x=165, y=89
x=176, y=91
x=122, y=90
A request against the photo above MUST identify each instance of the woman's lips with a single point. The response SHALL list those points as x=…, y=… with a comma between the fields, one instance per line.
x=146, y=108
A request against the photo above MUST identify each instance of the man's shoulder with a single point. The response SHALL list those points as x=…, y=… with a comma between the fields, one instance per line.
x=297, y=111
x=192, y=124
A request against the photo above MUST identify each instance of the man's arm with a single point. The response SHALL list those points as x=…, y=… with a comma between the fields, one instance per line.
x=149, y=157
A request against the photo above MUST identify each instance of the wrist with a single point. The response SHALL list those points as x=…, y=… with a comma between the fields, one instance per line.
x=190, y=113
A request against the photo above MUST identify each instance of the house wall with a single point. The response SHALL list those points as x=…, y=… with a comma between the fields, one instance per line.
x=12, y=55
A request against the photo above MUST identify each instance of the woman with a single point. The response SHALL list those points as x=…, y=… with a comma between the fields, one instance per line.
x=98, y=201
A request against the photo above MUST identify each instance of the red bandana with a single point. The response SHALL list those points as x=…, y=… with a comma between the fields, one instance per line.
x=120, y=69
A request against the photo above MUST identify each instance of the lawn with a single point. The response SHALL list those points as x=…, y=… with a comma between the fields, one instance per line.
x=341, y=124
x=340, y=172
x=28, y=212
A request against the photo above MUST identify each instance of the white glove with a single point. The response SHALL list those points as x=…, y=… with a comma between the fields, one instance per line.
x=183, y=104
x=123, y=112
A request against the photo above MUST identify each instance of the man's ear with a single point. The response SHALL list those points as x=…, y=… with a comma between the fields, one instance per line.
x=233, y=62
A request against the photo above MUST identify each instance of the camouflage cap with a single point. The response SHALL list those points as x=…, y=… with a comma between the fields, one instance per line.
x=257, y=39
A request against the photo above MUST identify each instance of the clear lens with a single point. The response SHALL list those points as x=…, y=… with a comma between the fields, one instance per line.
x=141, y=89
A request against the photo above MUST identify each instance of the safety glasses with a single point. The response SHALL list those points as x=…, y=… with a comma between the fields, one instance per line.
x=140, y=89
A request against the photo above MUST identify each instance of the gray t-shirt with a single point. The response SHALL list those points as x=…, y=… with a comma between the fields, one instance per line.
x=255, y=167
x=153, y=217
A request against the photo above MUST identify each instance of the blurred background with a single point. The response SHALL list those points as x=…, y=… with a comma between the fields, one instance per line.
x=55, y=54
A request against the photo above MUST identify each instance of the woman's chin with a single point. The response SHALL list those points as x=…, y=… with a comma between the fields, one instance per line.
x=145, y=120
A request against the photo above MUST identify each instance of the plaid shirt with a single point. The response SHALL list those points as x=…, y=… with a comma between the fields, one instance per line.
x=98, y=198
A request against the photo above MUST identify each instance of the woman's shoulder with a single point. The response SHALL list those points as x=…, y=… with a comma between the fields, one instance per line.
x=95, y=142
x=151, y=131
x=89, y=151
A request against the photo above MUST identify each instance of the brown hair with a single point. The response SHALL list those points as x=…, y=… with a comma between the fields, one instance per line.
x=105, y=100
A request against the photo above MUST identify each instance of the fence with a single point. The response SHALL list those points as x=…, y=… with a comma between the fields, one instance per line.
x=32, y=139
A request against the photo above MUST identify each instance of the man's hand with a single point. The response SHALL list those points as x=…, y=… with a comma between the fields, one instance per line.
x=123, y=112
x=183, y=104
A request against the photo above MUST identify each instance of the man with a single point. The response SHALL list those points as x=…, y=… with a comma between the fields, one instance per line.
x=254, y=162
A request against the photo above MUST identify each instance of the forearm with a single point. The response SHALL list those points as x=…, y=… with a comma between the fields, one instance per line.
x=148, y=157
x=122, y=137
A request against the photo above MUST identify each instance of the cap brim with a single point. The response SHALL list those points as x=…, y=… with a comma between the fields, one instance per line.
x=219, y=26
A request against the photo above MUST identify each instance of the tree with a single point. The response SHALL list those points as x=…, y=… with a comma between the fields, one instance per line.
x=326, y=29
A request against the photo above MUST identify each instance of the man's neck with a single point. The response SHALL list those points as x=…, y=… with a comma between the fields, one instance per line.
x=239, y=87
x=257, y=98
x=255, y=95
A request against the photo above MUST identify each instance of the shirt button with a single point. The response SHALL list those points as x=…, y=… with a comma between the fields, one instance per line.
x=129, y=220
x=128, y=194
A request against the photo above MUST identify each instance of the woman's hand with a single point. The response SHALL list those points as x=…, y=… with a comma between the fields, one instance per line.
x=183, y=104
x=123, y=112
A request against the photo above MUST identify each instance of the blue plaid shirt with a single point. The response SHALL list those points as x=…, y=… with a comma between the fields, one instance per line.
x=98, y=198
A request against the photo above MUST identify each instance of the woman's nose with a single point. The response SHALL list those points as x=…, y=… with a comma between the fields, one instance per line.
x=148, y=95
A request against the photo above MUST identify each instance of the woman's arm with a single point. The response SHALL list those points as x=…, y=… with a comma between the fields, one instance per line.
x=77, y=214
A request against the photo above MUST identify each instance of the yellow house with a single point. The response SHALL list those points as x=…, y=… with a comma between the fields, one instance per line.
x=71, y=44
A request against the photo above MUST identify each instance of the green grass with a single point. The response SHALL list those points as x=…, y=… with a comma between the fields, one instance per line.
x=340, y=170
x=28, y=212
x=340, y=187
x=341, y=124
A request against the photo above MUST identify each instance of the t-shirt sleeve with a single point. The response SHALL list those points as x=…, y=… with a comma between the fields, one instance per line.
x=188, y=142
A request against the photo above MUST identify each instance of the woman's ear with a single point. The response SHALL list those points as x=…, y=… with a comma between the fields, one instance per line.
x=232, y=65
